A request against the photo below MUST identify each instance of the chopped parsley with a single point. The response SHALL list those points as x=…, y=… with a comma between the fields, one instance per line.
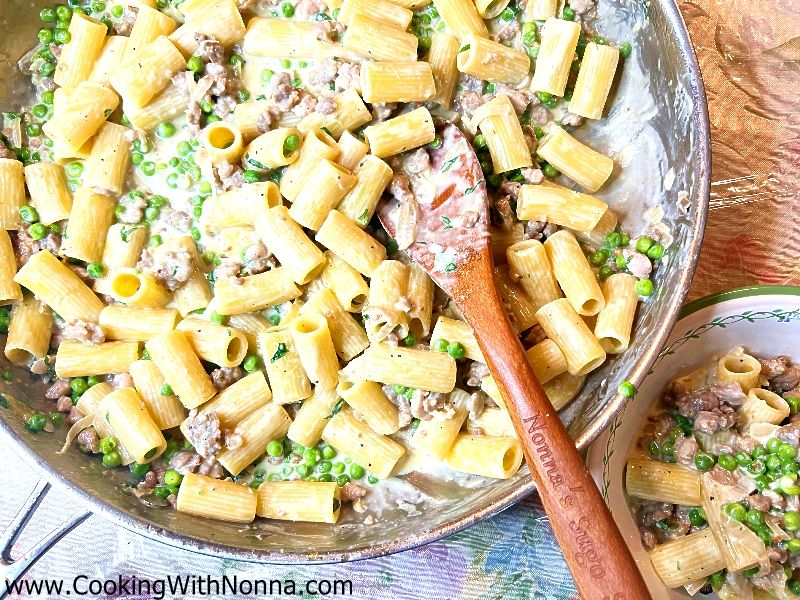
x=336, y=408
x=125, y=232
x=464, y=48
x=4, y=402
x=447, y=223
x=279, y=353
x=362, y=218
x=450, y=267
x=471, y=189
x=446, y=166
x=255, y=163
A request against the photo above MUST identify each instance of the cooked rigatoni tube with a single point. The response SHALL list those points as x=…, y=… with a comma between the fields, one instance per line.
x=342, y=236
x=310, y=501
x=383, y=313
x=79, y=54
x=372, y=405
x=461, y=17
x=50, y=195
x=492, y=61
x=345, y=282
x=442, y=58
x=546, y=360
x=122, y=249
x=521, y=309
x=372, y=177
x=122, y=409
x=9, y=288
x=598, y=235
x=78, y=115
x=255, y=293
x=111, y=57
x=500, y=126
x=556, y=51
x=250, y=326
x=594, y=82
x=495, y=457
x=195, y=294
x=136, y=288
x=491, y=421
x=453, y=330
x=567, y=329
x=216, y=499
x=183, y=371
x=79, y=359
x=393, y=81
x=563, y=389
x=256, y=430
x=240, y=206
x=687, y=559
x=561, y=206
x=663, y=482
x=420, y=295
x=436, y=436
x=286, y=375
x=378, y=10
x=350, y=113
x=528, y=261
x=29, y=331
x=91, y=216
x=574, y=274
x=540, y=10
x=406, y=132
x=412, y=4
x=220, y=20
x=237, y=401
x=419, y=369
x=150, y=24
x=314, y=344
x=353, y=151
x=614, y=322
x=577, y=161
x=349, y=338
x=281, y=38
x=763, y=406
x=218, y=344
x=274, y=149
x=325, y=187
x=152, y=70
x=247, y=116
x=166, y=106
x=12, y=193
x=379, y=41
x=312, y=417
x=163, y=406
x=290, y=244
x=136, y=324
x=222, y=141
x=377, y=453
x=739, y=367
x=489, y=9
x=59, y=287
x=317, y=146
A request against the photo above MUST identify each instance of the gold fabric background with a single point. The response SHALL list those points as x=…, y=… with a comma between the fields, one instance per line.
x=749, y=55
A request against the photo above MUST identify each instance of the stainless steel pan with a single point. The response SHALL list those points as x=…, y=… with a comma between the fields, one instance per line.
x=658, y=131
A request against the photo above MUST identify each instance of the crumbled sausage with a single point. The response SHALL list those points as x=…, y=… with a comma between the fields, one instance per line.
x=351, y=491
x=225, y=377
x=191, y=462
x=83, y=331
x=203, y=432
x=88, y=438
x=423, y=403
x=59, y=388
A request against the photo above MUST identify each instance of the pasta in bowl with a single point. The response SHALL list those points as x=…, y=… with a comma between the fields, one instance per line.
x=232, y=324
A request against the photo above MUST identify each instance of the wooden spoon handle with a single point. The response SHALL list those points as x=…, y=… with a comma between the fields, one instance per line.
x=596, y=553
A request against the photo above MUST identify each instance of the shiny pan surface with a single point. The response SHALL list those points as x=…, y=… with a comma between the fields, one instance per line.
x=657, y=130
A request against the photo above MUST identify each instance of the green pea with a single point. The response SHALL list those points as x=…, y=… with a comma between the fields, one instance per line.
x=266, y=75
x=36, y=422
x=357, y=471
x=338, y=468
x=643, y=244
x=409, y=340
x=161, y=491
x=568, y=14
x=63, y=13
x=743, y=459
x=697, y=517
x=62, y=36
x=644, y=287
x=166, y=390
x=324, y=466
x=155, y=240
x=47, y=15
x=137, y=158
x=46, y=69
x=627, y=389
x=774, y=463
x=621, y=262
x=793, y=545
x=194, y=64
x=759, y=451
x=791, y=519
x=275, y=448
x=218, y=318
x=328, y=452
x=790, y=468
x=195, y=233
x=703, y=461
x=773, y=445
x=479, y=141
x=93, y=380
x=47, y=98
x=173, y=478
x=655, y=252
x=757, y=467
x=108, y=444
x=117, y=10
x=727, y=462
x=605, y=272
x=28, y=213
x=761, y=483
x=151, y=213
x=787, y=452
x=550, y=171
x=613, y=240
x=599, y=257
x=456, y=350
x=529, y=38
x=311, y=456
x=290, y=144
x=243, y=96
x=95, y=270
x=342, y=479
x=735, y=511
x=717, y=580
x=303, y=470
x=112, y=460
x=372, y=479
x=794, y=586
x=755, y=517
x=544, y=96
x=45, y=36
x=794, y=403
x=212, y=119
x=625, y=50
x=251, y=363
x=149, y=168
x=287, y=9
x=78, y=385
x=251, y=176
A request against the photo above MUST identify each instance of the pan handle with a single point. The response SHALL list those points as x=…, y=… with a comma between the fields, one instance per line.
x=10, y=569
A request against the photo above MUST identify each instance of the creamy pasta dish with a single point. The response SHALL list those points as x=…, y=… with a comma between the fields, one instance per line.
x=190, y=253
x=714, y=482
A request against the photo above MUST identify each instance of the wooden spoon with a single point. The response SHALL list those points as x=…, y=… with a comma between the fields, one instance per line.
x=449, y=230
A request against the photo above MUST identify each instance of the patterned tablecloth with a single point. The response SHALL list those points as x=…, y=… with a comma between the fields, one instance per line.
x=749, y=54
